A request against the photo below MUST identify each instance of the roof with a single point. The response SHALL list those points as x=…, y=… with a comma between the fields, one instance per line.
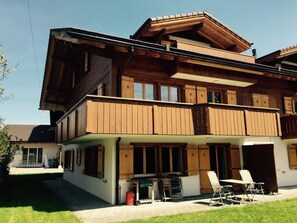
x=284, y=52
x=31, y=133
x=211, y=28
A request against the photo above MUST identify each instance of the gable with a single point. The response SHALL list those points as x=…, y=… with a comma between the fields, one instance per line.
x=200, y=28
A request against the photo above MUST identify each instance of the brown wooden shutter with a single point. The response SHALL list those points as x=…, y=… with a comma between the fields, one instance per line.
x=192, y=160
x=201, y=95
x=100, y=162
x=292, y=153
x=127, y=87
x=288, y=105
x=231, y=97
x=257, y=100
x=190, y=94
x=83, y=161
x=234, y=162
x=265, y=101
x=204, y=166
x=126, y=162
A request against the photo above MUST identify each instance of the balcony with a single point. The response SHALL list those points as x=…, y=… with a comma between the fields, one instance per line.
x=289, y=127
x=107, y=115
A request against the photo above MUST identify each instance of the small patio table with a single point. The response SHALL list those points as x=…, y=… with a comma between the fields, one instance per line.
x=245, y=185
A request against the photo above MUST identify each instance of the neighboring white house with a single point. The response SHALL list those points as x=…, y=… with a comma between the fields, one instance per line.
x=37, y=143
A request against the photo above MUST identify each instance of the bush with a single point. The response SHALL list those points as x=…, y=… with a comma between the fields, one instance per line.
x=7, y=151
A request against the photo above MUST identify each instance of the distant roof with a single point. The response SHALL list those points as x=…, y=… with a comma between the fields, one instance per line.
x=31, y=133
x=284, y=52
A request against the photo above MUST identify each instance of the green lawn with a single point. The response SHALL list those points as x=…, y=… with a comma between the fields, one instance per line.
x=272, y=212
x=24, y=198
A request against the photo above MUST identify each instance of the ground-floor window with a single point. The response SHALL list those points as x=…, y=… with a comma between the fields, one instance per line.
x=68, y=160
x=32, y=156
x=94, y=161
x=150, y=160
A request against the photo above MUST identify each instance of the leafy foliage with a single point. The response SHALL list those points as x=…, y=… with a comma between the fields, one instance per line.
x=7, y=151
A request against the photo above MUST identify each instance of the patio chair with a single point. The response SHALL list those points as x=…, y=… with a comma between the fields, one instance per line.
x=220, y=192
x=165, y=189
x=254, y=187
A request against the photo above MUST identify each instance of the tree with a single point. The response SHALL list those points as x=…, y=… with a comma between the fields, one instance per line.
x=7, y=147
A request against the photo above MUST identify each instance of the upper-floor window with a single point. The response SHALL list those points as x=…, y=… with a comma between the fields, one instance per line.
x=169, y=93
x=214, y=96
x=144, y=91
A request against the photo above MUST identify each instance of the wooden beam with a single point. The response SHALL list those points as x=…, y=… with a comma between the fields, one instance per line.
x=153, y=54
x=232, y=47
x=160, y=35
x=197, y=27
x=121, y=49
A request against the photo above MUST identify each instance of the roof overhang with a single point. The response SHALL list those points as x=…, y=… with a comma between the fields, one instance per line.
x=213, y=80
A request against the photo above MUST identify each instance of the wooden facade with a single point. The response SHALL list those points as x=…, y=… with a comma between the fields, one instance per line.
x=106, y=115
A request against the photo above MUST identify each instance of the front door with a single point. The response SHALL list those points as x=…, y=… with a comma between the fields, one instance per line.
x=259, y=160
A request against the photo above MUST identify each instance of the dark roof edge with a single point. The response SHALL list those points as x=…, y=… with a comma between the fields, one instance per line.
x=77, y=33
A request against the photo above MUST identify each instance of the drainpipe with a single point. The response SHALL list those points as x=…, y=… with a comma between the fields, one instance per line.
x=119, y=80
x=118, y=170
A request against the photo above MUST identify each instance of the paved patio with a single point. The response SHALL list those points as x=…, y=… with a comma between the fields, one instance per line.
x=92, y=209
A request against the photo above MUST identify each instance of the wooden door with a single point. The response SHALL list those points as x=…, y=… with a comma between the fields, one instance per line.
x=259, y=160
x=234, y=162
x=204, y=166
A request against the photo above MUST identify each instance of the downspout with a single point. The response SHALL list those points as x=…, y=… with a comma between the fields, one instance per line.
x=119, y=82
x=118, y=170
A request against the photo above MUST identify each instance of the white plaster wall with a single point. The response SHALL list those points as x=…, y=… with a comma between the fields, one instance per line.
x=102, y=188
x=50, y=149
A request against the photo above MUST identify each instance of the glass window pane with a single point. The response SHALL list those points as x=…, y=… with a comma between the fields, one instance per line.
x=149, y=92
x=32, y=155
x=138, y=91
x=25, y=156
x=165, y=160
x=209, y=96
x=138, y=160
x=164, y=93
x=39, y=155
x=176, y=159
x=217, y=97
x=150, y=160
x=174, y=94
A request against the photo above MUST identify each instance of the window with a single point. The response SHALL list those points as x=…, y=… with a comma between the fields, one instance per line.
x=32, y=157
x=144, y=158
x=69, y=160
x=144, y=91
x=169, y=93
x=94, y=161
x=171, y=159
x=292, y=155
x=214, y=96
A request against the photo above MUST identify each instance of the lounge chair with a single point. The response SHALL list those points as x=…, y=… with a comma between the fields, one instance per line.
x=254, y=187
x=221, y=192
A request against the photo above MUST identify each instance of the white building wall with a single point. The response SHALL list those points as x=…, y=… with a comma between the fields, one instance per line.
x=49, y=149
x=102, y=188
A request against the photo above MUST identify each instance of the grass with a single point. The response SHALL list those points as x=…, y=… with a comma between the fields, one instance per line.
x=278, y=211
x=24, y=199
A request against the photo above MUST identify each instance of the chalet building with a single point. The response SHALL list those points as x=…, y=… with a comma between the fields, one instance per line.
x=177, y=97
x=37, y=143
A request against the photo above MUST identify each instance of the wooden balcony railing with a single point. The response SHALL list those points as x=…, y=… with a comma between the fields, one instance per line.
x=222, y=119
x=289, y=127
x=107, y=115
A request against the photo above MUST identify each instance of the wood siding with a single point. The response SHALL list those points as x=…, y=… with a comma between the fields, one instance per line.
x=107, y=115
x=289, y=127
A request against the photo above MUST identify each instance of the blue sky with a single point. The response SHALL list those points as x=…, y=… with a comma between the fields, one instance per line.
x=270, y=25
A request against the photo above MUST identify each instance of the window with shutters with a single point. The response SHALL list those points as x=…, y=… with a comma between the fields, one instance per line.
x=170, y=159
x=94, y=161
x=144, y=158
x=69, y=160
x=144, y=91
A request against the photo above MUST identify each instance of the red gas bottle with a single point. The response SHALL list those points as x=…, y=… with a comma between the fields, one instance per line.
x=130, y=198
